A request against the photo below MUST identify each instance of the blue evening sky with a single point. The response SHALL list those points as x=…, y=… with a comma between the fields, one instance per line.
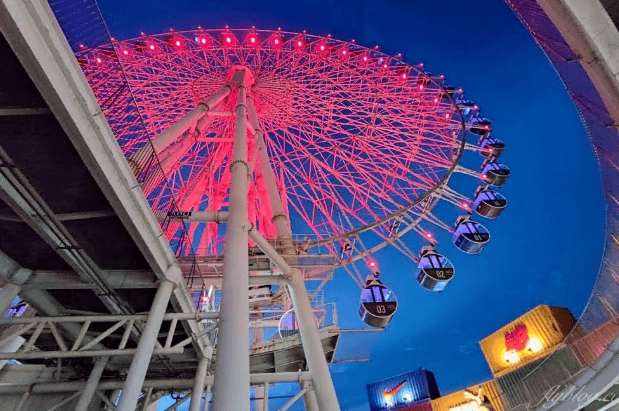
x=547, y=245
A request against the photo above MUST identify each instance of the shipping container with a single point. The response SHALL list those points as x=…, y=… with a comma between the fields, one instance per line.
x=420, y=406
x=526, y=339
x=467, y=399
x=404, y=390
x=527, y=386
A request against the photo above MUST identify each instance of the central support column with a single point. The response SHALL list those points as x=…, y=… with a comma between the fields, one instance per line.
x=231, y=387
x=310, y=338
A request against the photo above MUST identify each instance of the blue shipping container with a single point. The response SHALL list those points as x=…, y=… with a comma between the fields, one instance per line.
x=402, y=390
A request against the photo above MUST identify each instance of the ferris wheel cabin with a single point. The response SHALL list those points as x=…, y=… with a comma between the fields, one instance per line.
x=491, y=147
x=435, y=271
x=489, y=203
x=480, y=126
x=495, y=173
x=469, y=236
x=378, y=304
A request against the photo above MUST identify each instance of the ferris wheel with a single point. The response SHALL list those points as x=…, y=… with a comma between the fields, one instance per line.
x=346, y=146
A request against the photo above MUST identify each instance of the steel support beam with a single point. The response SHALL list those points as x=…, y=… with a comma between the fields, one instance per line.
x=591, y=34
x=312, y=345
x=158, y=384
x=311, y=404
x=91, y=385
x=198, y=386
x=35, y=36
x=141, y=360
x=8, y=293
x=231, y=391
x=294, y=399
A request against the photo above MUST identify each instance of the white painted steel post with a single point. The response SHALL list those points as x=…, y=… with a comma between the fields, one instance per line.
x=280, y=220
x=91, y=385
x=311, y=404
x=207, y=397
x=198, y=386
x=146, y=401
x=312, y=345
x=259, y=394
x=231, y=391
x=265, y=404
x=141, y=359
x=8, y=293
x=167, y=137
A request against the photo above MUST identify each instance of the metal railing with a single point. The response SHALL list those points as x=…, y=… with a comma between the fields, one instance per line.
x=84, y=27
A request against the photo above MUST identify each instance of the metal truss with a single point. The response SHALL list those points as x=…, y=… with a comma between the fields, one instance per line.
x=89, y=346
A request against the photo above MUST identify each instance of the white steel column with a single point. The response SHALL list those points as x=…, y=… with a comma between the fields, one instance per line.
x=141, y=359
x=91, y=385
x=312, y=345
x=207, y=398
x=167, y=137
x=265, y=404
x=311, y=404
x=231, y=388
x=259, y=394
x=17, y=276
x=9, y=291
x=198, y=386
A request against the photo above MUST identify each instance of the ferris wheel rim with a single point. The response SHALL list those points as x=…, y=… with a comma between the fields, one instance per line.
x=429, y=193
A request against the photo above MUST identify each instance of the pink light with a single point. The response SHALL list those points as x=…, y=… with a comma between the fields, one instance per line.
x=276, y=41
x=484, y=176
x=385, y=65
x=228, y=40
x=126, y=52
x=365, y=58
x=421, y=87
x=344, y=52
x=428, y=235
x=404, y=76
x=252, y=39
x=447, y=116
x=152, y=47
x=322, y=47
x=99, y=60
x=436, y=100
x=465, y=205
x=203, y=41
x=300, y=44
x=178, y=43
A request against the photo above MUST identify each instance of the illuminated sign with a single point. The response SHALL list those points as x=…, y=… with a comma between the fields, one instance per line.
x=389, y=394
x=517, y=340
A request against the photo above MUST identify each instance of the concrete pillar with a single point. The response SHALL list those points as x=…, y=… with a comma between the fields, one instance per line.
x=141, y=359
x=91, y=385
x=198, y=386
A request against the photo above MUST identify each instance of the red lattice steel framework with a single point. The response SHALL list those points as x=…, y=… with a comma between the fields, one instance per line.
x=356, y=138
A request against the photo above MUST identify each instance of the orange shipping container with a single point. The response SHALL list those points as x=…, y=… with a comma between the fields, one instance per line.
x=465, y=400
x=531, y=336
